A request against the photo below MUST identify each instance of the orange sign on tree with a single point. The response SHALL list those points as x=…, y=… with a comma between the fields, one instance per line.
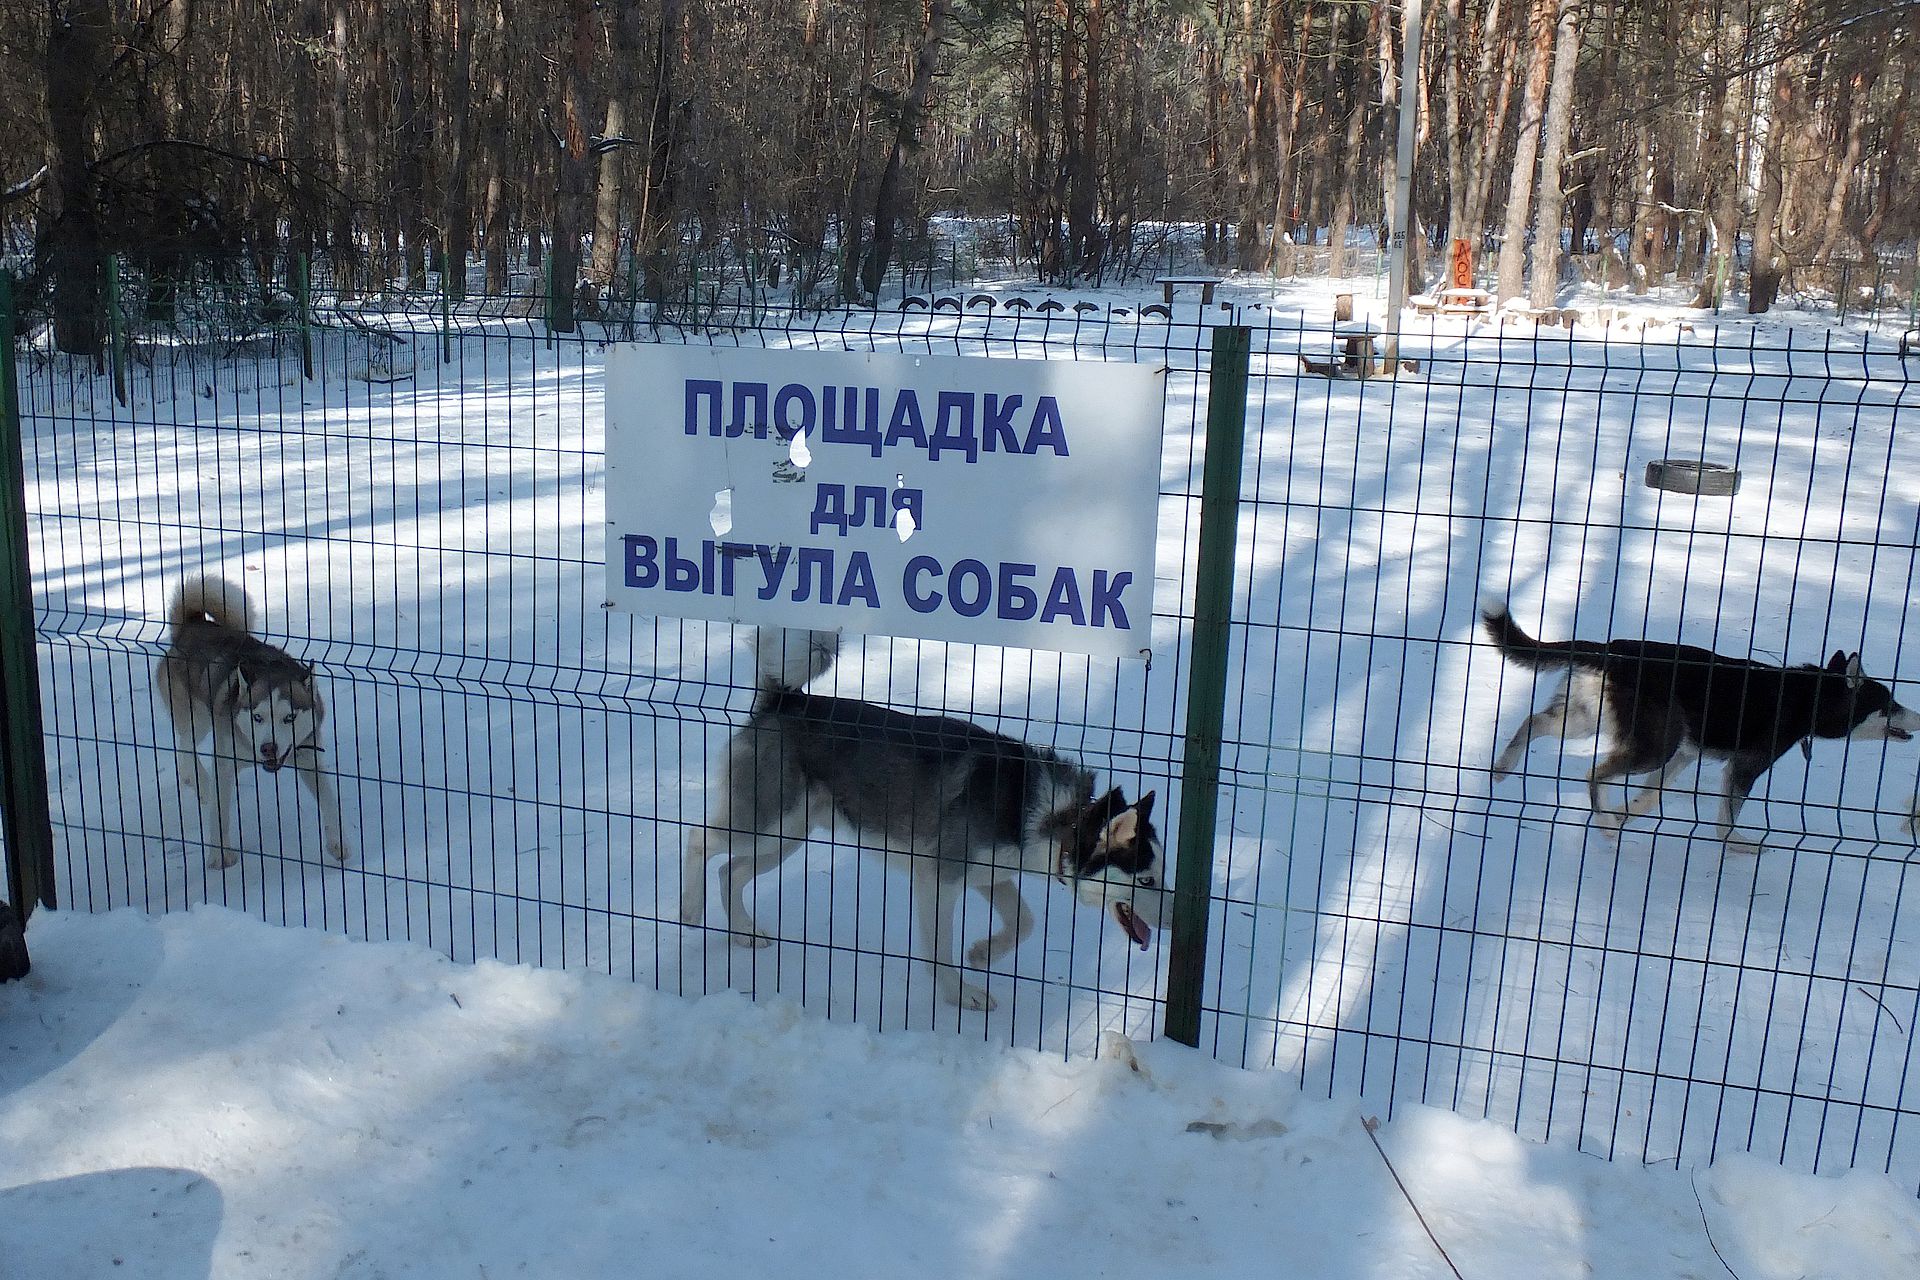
x=1460, y=276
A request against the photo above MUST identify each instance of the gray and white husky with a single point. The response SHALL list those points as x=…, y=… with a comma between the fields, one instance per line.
x=965, y=808
x=259, y=702
x=1662, y=706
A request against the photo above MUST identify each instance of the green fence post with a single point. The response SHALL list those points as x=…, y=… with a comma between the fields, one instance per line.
x=1207, y=681
x=446, y=317
x=24, y=806
x=116, y=329
x=303, y=305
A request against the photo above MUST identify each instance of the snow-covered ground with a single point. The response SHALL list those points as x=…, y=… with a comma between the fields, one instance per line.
x=203, y=1096
x=520, y=765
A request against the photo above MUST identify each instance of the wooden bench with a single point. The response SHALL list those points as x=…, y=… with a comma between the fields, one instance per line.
x=1566, y=317
x=1464, y=302
x=1169, y=283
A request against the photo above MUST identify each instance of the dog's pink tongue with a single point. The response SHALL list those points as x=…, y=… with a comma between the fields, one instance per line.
x=1136, y=928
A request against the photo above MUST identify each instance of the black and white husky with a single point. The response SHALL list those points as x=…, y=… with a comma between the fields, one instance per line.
x=258, y=701
x=1661, y=706
x=964, y=807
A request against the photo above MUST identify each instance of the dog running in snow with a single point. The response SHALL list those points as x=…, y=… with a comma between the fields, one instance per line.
x=964, y=807
x=260, y=703
x=1659, y=707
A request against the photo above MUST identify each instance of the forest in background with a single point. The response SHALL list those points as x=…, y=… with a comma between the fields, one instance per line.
x=1747, y=144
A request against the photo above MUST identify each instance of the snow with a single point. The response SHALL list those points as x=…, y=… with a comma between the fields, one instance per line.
x=519, y=766
x=204, y=1095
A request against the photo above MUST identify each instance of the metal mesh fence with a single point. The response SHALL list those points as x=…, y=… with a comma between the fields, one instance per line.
x=521, y=767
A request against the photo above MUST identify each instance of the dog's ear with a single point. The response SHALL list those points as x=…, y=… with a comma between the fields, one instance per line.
x=1121, y=832
x=1838, y=662
x=1144, y=807
x=1854, y=674
x=1099, y=811
x=238, y=683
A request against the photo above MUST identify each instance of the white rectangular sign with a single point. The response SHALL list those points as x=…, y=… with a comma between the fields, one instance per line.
x=1008, y=502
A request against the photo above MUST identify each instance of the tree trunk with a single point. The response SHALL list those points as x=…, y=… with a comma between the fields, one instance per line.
x=76, y=52
x=613, y=161
x=853, y=209
x=1037, y=214
x=1286, y=213
x=456, y=217
x=1083, y=204
x=1548, y=203
x=1126, y=196
x=341, y=246
x=1763, y=280
x=658, y=199
x=889, y=198
x=375, y=123
x=1213, y=83
x=1258, y=85
x=1342, y=169
x=1526, y=150
x=413, y=137
x=493, y=146
x=1853, y=111
x=809, y=208
x=1720, y=174
x=1892, y=168
x=574, y=168
x=166, y=260
x=1452, y=126
x=1070, y=179
x=1493, y=100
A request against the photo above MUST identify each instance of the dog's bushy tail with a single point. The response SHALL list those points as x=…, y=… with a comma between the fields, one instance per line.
x=788, y=658
x=1529, y=652
x=210, y=598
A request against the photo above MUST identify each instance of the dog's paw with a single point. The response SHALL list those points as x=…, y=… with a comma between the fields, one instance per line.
x=981, y=954
x=1742, y=842
x=751, y=938
x=975, y=998
x=221, y=859
x=339, y=852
